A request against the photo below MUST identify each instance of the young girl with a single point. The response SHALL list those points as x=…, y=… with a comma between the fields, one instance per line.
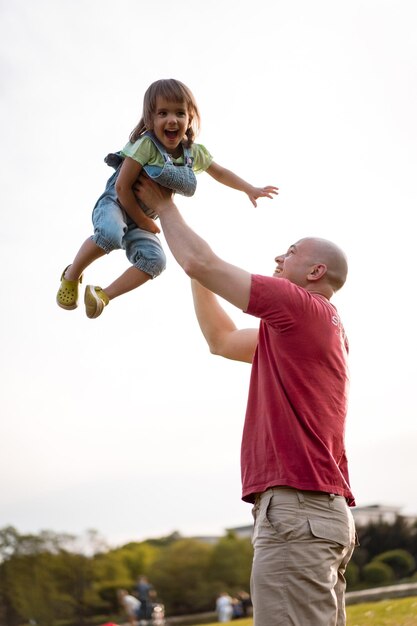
x=162, y=145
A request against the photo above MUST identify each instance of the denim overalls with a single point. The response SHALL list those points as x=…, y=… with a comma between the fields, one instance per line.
x=115, y=230
x=179, y=178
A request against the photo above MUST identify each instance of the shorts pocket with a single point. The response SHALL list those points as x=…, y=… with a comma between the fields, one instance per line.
x=282, y=517
x=333, y=532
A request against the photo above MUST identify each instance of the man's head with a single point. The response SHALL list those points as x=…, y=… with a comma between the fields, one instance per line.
x=316, y=264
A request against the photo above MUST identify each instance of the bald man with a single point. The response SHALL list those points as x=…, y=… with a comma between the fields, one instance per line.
x=293, y=460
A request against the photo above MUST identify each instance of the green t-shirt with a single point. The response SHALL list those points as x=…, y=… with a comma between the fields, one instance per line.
x=145, y=152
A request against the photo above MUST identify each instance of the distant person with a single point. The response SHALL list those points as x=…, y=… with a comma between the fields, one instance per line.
x=224, y=607
x=237, y=608
x=293, y=458
x=245, y=602
x=162, y=144
x=145, y=593
x=130, y=606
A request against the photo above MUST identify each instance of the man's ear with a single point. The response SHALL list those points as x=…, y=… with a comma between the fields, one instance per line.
x=317, y=271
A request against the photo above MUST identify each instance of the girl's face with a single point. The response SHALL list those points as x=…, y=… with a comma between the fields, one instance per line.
x=170, y=122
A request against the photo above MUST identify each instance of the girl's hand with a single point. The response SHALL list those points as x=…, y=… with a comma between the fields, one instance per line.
x=262, y=192
x=149, y=224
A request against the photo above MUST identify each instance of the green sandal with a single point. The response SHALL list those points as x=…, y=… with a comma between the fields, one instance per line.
x=95, y=299
x=67, y=296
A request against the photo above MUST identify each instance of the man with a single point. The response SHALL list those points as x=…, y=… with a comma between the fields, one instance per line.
x=294, y=466
x=143, y=592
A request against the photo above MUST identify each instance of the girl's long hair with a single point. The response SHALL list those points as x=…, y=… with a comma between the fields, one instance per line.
x=174, y=91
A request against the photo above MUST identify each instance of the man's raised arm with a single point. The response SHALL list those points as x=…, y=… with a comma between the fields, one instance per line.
x=220, y=332
x=191, y=251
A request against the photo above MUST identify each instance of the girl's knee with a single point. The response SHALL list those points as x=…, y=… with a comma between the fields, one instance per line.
x=151, y=263
x=159, y=267
x=153, y=267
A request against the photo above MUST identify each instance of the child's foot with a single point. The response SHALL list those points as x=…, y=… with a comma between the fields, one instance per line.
x=95, y=299
x=67, y=296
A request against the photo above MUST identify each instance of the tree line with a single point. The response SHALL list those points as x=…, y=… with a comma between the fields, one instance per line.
x=55, y=579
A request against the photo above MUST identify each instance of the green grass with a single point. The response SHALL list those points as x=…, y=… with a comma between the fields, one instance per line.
x=400, y=612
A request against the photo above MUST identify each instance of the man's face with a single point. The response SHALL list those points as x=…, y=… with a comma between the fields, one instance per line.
x=296, y=263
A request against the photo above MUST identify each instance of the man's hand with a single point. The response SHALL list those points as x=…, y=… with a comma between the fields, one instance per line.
x=152, y=195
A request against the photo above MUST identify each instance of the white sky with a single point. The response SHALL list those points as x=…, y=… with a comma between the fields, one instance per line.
x=127, y=424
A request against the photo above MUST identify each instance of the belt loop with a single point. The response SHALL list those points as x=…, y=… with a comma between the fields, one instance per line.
x=331, y=500
x=300, y=498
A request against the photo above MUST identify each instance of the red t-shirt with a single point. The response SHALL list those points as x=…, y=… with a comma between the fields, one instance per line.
x=295, y=418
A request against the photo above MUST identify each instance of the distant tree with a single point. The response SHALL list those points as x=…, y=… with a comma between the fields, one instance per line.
x=29, y=588
x=381, y=537
x=401, y=562
x=111, y=566
x=9, y=541
x=377, y=573
x=179, y=575
x=111, y=572
x=230, y=563
x=352, y=575
x=32, y=589
x=75, y=573
x=43, y=581
x=165, y=541
x=137, y=557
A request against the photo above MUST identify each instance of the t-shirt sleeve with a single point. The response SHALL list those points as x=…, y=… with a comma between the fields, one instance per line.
x=143, y=150
x=276, y=301
x=202, y=158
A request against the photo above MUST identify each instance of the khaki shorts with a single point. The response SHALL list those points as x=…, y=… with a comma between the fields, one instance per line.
x=303, y=541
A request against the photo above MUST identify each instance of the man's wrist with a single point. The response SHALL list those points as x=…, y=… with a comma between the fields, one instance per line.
x=166, y=205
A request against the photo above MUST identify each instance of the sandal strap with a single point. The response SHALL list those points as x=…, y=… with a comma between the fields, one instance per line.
x=80, y=280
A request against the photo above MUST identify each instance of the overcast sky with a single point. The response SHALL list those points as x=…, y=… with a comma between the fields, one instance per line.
x=126, y=424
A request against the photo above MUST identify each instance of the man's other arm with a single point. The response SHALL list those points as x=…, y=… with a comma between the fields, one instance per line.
x=220, y=332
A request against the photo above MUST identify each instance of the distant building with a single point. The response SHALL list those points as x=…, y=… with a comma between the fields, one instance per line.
x=375, y=514
x=241, y=531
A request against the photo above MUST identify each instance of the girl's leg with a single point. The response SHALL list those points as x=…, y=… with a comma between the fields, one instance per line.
x=129, y=280
x=67, y=296
x=96, y=298
x=88, y=253
x=145, y=253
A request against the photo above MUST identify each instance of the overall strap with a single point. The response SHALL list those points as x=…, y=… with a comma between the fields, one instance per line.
x=188, y=159
x=158, y=145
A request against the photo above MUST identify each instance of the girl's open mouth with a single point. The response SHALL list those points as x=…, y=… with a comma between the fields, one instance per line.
x=171, y=134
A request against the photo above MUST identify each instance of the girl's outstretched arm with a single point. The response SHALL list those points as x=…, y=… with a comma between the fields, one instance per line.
x=230, y=179
x=127, y=177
